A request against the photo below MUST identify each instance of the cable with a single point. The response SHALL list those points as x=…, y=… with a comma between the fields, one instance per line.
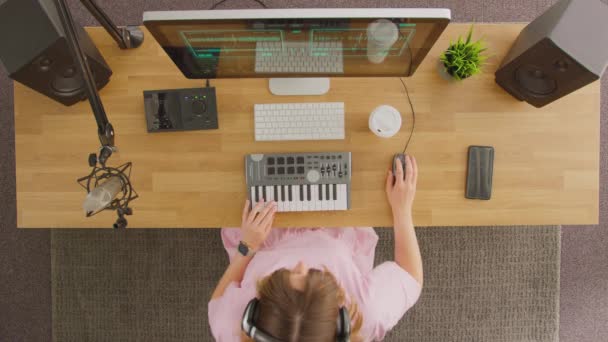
x=222, y=1
x=409, y=73
x=413, y=114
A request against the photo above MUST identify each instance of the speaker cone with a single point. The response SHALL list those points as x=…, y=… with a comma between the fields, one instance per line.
x=68, y=83
x=532, y=79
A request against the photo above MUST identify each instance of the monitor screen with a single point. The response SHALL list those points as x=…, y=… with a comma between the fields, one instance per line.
x=297, y=42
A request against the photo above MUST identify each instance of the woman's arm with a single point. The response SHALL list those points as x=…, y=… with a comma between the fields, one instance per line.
x=234, y=272
x=256, y=225
x=400, y=193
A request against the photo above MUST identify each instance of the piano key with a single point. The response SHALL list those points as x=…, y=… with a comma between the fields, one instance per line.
x=331, y=204
x=342, y=203
x=286, y=203
x=297, y=203
x=257, y=196
x=252, y=195
x=290, y=192
x=324, y=201
x=280, y=203
x=316, y=203
x=264, y=194
x=283, y=197
x=308, y=192
x=270, y=193
x=296, y=197
x=306, y=203
x=327, y=197
x=320, y=192
x=335, y=192
x=276, y=193
x=338, y=205
x=301, y=192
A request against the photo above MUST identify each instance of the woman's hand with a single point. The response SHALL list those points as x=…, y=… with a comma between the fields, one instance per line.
x=257, y=223
x=400, y=192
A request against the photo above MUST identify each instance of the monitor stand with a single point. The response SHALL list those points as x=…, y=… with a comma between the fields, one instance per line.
x=299, y=86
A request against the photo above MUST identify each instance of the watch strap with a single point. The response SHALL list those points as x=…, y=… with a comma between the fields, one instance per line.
x=244, y=249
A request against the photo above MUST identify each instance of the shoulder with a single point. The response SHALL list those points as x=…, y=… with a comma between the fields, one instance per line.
x=225, y=313
x=389, y=292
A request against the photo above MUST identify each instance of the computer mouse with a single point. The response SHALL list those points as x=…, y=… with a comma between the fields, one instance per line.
x=399, y=157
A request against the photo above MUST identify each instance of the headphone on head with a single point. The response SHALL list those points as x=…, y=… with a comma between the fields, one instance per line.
x=251, y=314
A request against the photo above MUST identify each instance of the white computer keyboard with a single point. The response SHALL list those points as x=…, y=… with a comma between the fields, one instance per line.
x=299, y=121
x=299, y=57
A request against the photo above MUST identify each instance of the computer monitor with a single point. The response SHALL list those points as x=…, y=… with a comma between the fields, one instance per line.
x=297, y=48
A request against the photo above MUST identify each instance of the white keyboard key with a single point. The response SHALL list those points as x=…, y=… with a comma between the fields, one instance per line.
x=297, y=206
x=331, y=204
x=316, y=204
x=252, y=195
x=291, y=204
x=270, y=193
x=281, y=204
x=324, y=200
x=342, y=203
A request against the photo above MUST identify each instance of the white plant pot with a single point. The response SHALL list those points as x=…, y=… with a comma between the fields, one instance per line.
x=443, y=71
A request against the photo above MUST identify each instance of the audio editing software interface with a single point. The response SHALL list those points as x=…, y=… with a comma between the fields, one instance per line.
x=261, y=48
x=305, y=48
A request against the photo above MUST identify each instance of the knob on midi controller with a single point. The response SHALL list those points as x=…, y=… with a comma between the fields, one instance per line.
x=313, y=175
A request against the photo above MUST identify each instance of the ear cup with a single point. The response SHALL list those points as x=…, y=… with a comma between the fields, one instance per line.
x=248, y=323
x=343, y=333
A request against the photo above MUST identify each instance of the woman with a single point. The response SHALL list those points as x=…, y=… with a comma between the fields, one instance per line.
x=302, y=277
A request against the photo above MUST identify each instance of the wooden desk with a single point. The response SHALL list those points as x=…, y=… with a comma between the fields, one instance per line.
x=546, y=168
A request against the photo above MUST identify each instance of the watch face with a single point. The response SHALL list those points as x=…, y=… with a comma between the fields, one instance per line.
x=243, y=249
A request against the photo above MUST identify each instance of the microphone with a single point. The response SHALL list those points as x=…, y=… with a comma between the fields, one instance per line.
x=108, y=188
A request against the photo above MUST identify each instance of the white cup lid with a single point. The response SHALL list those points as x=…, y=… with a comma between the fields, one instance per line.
x=385, y=121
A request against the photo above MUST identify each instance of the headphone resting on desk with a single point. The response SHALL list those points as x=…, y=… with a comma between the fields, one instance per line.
x=250, y=316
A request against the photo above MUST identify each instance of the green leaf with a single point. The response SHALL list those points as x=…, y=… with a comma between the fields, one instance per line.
x=470, y=34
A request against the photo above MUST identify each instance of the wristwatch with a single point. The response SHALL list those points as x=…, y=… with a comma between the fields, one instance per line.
x=244, y=249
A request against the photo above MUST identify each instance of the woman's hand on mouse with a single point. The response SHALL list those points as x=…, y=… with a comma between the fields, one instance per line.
x=257, y=222
x=400, y=192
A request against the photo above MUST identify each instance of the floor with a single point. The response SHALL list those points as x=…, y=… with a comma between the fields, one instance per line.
x=25, y=298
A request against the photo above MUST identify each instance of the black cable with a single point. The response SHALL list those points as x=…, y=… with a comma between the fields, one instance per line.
x=409, y=73
x=413, y=114
x=222, y=1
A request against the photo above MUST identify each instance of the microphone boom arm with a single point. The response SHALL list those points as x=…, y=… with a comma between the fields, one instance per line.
x=126, y=38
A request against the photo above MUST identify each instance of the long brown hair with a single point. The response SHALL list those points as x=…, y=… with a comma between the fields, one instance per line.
x=294, y=315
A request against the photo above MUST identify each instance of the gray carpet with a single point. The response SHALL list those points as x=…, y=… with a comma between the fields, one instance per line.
x=481, y=284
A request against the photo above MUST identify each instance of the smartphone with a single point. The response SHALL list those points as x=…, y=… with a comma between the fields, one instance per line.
x=479, y=172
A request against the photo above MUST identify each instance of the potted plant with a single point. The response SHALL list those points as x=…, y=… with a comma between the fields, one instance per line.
x=462, y=59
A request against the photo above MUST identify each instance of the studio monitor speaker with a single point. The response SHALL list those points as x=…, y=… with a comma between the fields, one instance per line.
x=559, y=52
x=35, y=52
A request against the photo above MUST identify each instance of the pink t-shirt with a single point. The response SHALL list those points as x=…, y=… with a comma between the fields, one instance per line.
x=383, y=294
